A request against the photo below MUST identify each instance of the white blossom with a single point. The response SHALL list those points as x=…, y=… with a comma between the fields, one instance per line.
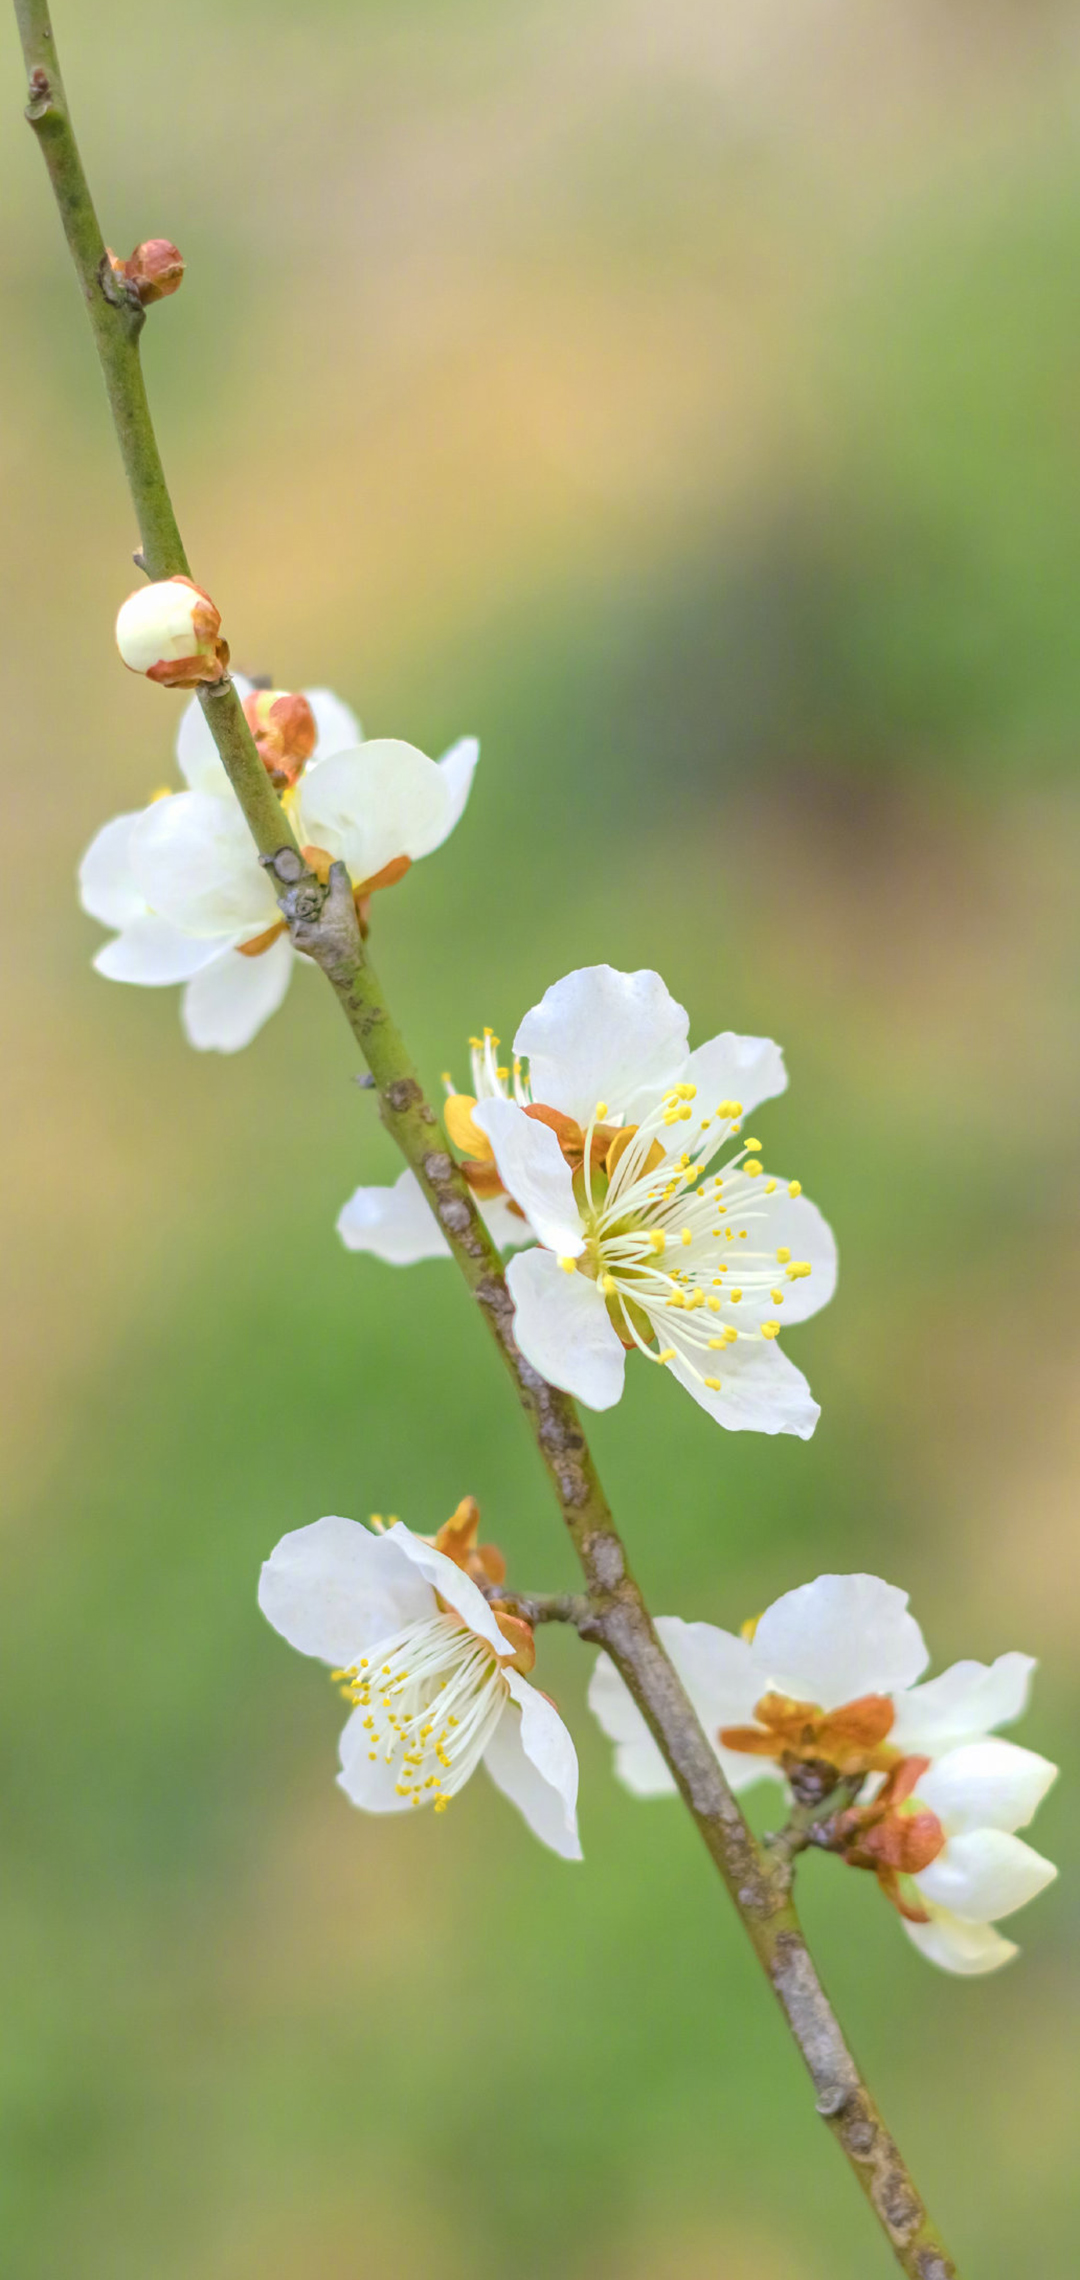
x=182, y=885
x=827, y=1678
x=649, y=1235
x=434, y=1675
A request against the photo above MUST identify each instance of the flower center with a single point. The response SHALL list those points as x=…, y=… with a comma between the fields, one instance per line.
x=432, y=1697
x=658, y=1230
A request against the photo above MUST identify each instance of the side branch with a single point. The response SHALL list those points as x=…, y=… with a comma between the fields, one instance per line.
x=323, y=923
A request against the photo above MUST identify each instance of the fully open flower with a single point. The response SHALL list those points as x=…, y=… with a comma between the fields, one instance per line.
x=658, y=1226
x=821, y=1693
x=434, y=1671
x=183, y=886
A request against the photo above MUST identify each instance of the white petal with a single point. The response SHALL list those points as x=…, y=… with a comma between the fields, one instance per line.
x=795, y=1224
x=394, y=1223
x=451, y=1583
x=535, y=1172
x=838, y=1638
x=983, y=1874
x=717, y=1672
x=505, y=1226
x=729, y=1067
x=338, y=729
x=226, y=1004
x=602, y=1035
x=108, y=888
x=532, y=1759
x=969, y=1949
x=561, y=1325
x=196, y=752
x=154, y=953
x=195, y=863
x=969, y=1699
x=761, y=1391
x=638, y=1763
x=335, y=1589
x=369, y=806
x=457, y=768
x=986, y=1785
x=374, y=1787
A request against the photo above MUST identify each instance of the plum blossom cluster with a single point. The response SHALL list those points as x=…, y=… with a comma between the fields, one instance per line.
x=821, y=1694
x=613, y=1159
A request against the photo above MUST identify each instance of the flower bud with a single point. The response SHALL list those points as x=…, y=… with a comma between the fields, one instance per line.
x=171, y=632
x=283, y=726
x=155, y=269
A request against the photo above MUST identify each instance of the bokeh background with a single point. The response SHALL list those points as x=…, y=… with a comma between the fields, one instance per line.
x=684, y=395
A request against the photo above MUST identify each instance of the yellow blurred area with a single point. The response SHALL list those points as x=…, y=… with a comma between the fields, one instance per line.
x=686, y=399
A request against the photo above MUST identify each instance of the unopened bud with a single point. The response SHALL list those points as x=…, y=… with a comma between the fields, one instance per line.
x=155, y=269
x=171, y=631
x=283, y=726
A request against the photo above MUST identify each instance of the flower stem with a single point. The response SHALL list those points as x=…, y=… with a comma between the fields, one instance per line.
x=323, y=922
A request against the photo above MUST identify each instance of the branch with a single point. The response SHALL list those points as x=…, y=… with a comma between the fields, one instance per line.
x=323, y=923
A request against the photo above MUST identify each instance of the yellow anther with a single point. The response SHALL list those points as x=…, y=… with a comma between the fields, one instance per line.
x=730, y=1333
x=747, y=1629
x=685, y=1115
x=502, y=1075
x=696, y=1298
x=373, y=1757
x=601, y=1110
x=684, y=1092
x=777, y=1297
x=713, y=1305
x=734, y=1296
x=657, y=1240
x=753, y=1169
x=730, y=1233
x=783, y=1255
x=477, y=1044
x=798, y=1270
x=730, y=1108
x=668, y=1354
x=715, y=1344
x=770, y=1329
x=743, y=1234
x=794, y=1187
x=490, y=1033
x=770, y=1187
x=686, y=1236
x=569, y=1266
x=608, y=1285
x=753, y=1147
x=712, y=1383
x=447, y=1080
x=517, y=1065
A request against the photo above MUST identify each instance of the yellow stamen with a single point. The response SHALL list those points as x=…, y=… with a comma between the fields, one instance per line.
x=770, y=1329
x=794, y=1187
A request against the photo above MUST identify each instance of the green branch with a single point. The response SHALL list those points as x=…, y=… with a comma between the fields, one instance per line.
x=323, y=923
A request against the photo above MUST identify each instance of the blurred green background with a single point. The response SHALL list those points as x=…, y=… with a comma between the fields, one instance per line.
x=684, y=395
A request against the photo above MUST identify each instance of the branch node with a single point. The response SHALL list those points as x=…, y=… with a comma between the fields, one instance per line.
x=41, y=95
